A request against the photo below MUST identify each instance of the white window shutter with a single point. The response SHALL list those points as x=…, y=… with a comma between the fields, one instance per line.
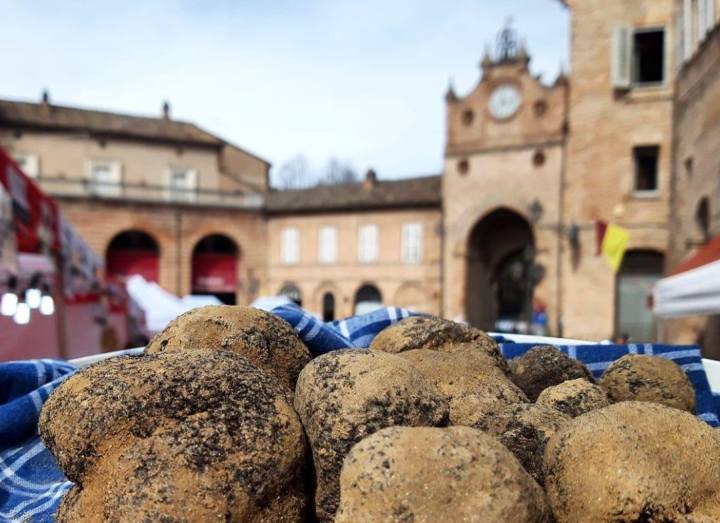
x=327, y=244
x=687, y=31
x=709, y=15
x=290, y=246
x=29, y=164
x=621, y=59
x=368, y=244
x=411, y=244
x=701, y=20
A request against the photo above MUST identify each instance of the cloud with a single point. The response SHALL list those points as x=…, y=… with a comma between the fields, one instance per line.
x=363, y=81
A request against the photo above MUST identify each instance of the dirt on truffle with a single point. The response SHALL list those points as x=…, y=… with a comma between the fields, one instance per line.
x=545, y=366
x=634, y=462
x=178, y=436
x=431, y=333
x=263, y=338
x=468, y=377
x=344, y=396
x=525, y=430
x=640, y=377
x=404, y=474
x=574, y=397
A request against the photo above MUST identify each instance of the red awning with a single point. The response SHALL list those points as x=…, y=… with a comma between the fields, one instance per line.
x=708, y=254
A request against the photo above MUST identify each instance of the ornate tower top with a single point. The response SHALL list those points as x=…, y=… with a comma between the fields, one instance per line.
x=509, y=49
x=507, y=44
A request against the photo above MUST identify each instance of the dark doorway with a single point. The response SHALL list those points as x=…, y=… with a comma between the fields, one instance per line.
x=328, y=307
x=367, y=299
x=500, y=272
x=291, y=291
x=639, y=272
x=215, y=268
x=132, y=252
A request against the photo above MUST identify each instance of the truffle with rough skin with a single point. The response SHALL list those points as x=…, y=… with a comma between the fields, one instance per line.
x=344, y=396
x=473, y=385
x=634, y=461
x=403, y=474
x=525, y=430
x=431, y=333
x=177, y=436
x=263, y=338
x=640, y=377
x=544, y=366
x=574, y=397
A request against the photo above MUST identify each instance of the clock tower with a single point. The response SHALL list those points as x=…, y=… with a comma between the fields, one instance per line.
x=502, y=179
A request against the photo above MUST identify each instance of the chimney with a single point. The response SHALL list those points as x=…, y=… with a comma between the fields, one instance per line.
x=46, y=97
x=370, y=179
x=166, y=110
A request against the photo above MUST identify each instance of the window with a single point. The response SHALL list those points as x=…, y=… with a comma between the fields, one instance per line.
x=106, y=178
x=29, y=163
x=646, y=169
x=368, y=244
x=463, y=167
x=182, y=185
x=327, y=244
x=468, y=117
x=412, y=243
x=638, y=57
x=290, y=246
x=649, y=57
x=697, y=19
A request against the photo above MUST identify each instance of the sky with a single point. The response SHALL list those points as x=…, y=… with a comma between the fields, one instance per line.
x=360, y=81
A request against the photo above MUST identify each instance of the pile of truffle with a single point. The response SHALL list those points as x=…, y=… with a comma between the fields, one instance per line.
x=227, y=417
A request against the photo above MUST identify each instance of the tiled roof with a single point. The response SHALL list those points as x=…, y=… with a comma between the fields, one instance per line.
x=414, y=192
x=101, y=123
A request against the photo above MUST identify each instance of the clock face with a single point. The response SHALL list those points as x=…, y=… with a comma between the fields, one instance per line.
x=504, y=102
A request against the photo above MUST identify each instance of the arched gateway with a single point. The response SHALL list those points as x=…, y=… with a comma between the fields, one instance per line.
x=500, y=271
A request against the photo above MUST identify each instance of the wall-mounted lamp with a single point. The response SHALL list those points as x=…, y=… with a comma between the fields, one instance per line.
x=535, y=211
x=574, y=235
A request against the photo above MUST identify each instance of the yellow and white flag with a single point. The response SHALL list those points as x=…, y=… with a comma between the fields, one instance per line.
x=614, y=245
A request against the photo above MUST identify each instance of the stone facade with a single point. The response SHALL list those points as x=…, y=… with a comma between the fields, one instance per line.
x=400, y=284
x=696, y=183
x=224, y=198
x=513, y=165
x=530, y=169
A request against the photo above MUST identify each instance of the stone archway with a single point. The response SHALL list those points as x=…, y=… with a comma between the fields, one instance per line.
x=500, y=270
x=639, y=272
x=131, y=252
x=214, y=268
x=367, y=298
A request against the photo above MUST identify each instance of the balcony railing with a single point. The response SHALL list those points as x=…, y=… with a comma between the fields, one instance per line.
x=139, y=192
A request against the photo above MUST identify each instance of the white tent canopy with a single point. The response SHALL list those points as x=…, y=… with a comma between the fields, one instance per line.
x=161, y=306
x=695, y=292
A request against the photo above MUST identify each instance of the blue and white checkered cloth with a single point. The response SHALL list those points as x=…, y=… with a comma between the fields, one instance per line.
x=32, y=485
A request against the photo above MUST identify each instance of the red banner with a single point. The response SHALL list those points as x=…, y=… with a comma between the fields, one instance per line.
x=214, y=273
x=35, y=215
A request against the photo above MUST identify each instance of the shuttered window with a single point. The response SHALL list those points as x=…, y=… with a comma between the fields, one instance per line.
x=368, y=243
x=29, y=163
x=182, y=185
x=327, y=244
x=106, y=178
x=290, y=239
x=412, y=243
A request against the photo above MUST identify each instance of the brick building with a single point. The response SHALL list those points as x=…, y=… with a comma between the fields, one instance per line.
x=154, y=196
x=696, y=157
x=334, y=248
x=508, y=231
